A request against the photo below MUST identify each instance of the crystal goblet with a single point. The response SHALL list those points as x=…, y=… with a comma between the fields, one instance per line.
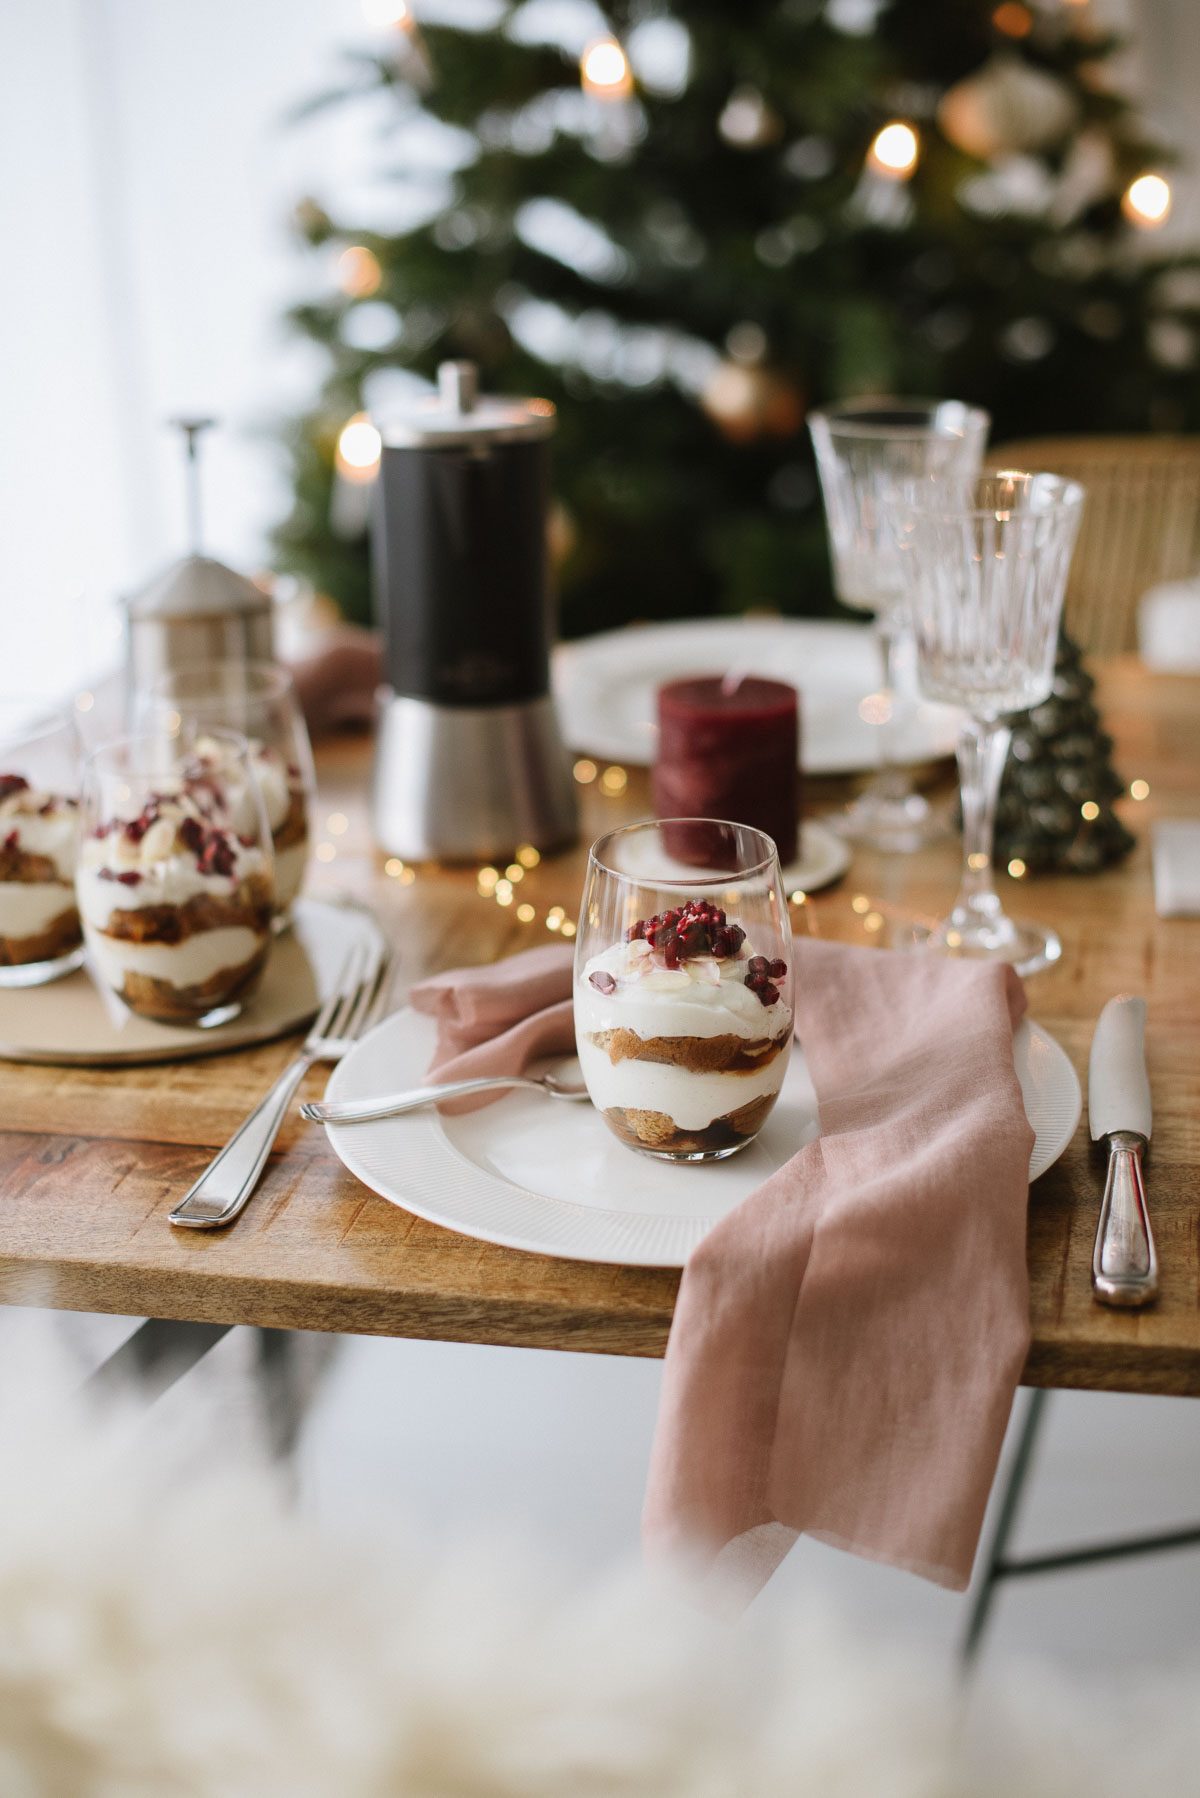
x=866, y=451
x=985, y=570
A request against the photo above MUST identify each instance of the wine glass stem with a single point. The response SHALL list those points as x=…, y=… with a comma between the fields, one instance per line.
x=982, y=751
x=892, y=780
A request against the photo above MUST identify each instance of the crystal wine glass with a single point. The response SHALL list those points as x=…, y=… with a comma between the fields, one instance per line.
x=175, y=880
x=866, y=450
x=985, y=570
x=683, y=985
x=40, y=937
x=258, y=700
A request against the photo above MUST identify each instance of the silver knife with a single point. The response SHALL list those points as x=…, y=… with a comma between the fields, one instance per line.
x=1124, y=1264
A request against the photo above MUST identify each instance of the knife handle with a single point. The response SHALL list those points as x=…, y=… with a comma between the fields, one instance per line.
x=1124, y=1264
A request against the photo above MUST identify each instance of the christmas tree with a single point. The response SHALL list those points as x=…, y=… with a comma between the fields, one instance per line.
x=687, y=224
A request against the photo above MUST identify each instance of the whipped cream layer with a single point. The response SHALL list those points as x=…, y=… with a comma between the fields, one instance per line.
x=271, y=777
x=180, y=965
x=42, y=824
x=702, y=997
x=121, y=871
x=692, y=1101
x=28, y=907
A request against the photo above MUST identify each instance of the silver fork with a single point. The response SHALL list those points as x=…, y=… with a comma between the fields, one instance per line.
x=355, y=1003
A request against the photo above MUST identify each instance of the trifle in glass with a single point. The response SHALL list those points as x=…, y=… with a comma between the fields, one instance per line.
x=683, y=985
x=176, y=879
x=40, y=937
x=258, y=700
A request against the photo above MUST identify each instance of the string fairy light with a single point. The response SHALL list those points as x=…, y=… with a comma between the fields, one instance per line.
x=1147, y=201
x=359, y=447
x=895, y=151
x=604, y=70
x=1139, y=789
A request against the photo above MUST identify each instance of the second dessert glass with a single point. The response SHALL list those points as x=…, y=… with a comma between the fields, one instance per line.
x=257, y=700
x=175, y=879
x=683, y=985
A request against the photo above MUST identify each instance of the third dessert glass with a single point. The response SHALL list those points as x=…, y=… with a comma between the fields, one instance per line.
x=258, y=700
x=683, y=985
x=175, y=880
x=39, y=828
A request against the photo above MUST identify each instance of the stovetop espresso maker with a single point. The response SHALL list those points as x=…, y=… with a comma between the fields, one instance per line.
x=469, y=762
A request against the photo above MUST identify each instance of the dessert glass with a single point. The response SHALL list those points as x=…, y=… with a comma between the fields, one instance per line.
x=40, y=937
x=175, y=877
x=258, y=700
x=683, y=985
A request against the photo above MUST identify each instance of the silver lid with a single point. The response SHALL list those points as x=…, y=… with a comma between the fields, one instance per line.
x=197, y=587
x=458, y=414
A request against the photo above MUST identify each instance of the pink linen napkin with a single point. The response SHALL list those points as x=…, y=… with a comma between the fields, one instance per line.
x=500, y=1018
x=846, y=1344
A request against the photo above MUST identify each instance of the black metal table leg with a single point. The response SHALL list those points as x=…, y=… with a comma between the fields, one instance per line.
x=1006, y=1517
x=159, y=1352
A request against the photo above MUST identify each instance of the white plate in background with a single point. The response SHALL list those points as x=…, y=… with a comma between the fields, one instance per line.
x=606, y=687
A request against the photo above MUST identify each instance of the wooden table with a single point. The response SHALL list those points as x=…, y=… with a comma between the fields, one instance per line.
x=91, y=1161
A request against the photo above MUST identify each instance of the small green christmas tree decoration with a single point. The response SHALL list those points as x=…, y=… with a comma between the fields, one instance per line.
x=1055, y=812
x=688, y=222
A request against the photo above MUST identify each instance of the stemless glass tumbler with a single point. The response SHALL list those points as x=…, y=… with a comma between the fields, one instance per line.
x=40, y=935
x=175, y=879
x=258, y=701
x=683, y=985
x=985, y=569
x=866, y=451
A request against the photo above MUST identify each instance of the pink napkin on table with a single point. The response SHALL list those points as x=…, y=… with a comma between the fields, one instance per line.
x=499, y=1018
x=846, y=1344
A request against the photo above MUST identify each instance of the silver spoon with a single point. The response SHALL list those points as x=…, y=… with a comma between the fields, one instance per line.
x=366, y=1111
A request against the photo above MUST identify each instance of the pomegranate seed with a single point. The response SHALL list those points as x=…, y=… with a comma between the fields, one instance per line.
x=777, y=970
x=12, y=783
x=603, y=981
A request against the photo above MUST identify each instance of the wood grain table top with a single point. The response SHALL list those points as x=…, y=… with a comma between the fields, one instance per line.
x=92, y=1160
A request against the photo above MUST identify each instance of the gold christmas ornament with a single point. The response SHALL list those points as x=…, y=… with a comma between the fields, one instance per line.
x=747, y=404
x=1007, y=108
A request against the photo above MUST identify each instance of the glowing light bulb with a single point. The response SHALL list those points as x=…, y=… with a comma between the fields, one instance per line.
x=1147, y=201
x=358, y=449
x=895, y=150
x=384, y=13
x=358, y=272
x=604, y=70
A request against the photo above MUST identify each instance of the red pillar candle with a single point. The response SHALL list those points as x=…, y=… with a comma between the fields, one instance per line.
x=728, y=750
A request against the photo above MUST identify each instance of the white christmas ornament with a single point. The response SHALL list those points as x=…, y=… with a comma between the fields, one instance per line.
x=1007, y=108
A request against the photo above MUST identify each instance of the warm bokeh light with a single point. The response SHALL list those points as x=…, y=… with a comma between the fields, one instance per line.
x=358, y=449
x=568, y=928
x=585, y=772
x=393, y=866
x=514, y=872
x=337, y=824
x=388, y=12
x=358, y=272
x=604, y=70
x=895, y=150
x=1016, y=868
x=873, y=922
x=528, y=856
x=799, y=897
x=613, y=782
x=876, y=708
x=860, y=903
x=325, y=852
x=526, y=913
x=1090, y=810
x=1147, y=201
x=1139, y=789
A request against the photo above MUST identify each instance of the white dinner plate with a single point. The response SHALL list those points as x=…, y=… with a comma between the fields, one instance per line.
x=606, y=687
x=548, y=1175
